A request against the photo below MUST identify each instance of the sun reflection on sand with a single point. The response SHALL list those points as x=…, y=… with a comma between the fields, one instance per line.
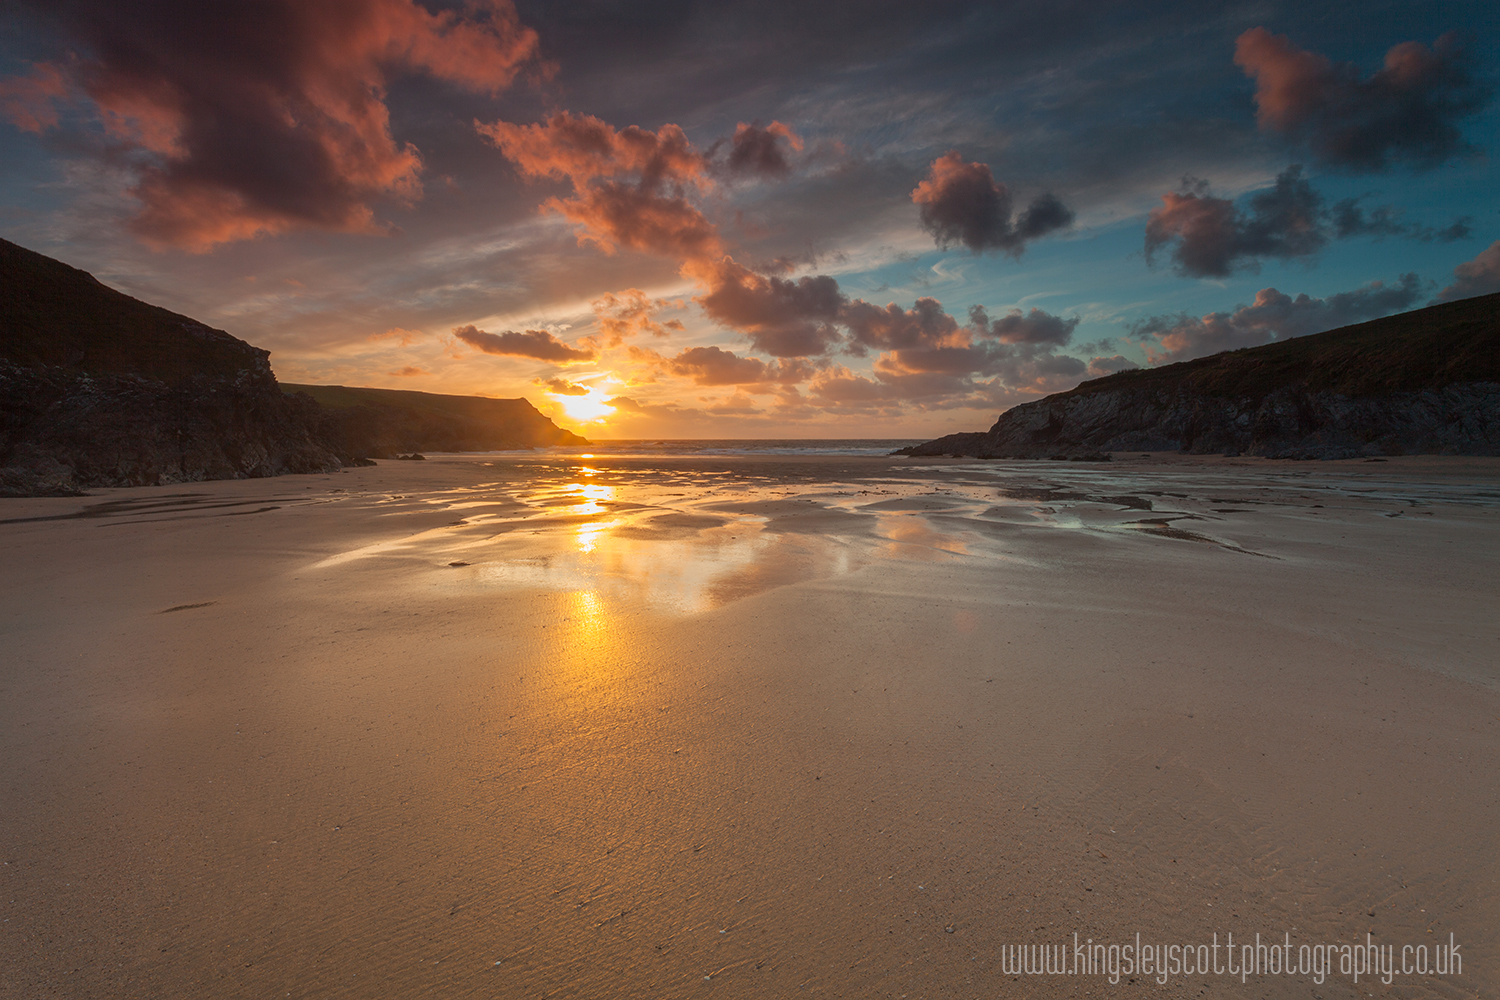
x=910, y=536
x=590, y=533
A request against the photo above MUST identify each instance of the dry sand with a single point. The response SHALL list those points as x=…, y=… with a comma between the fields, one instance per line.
x=738, y=727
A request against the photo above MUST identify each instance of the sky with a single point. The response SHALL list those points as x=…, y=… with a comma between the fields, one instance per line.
x=755, y=220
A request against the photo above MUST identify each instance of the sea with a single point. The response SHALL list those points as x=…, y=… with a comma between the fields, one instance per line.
x=686, y=447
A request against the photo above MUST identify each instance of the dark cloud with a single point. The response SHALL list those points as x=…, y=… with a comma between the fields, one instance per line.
x=761, y=152
x=1480, y=276
x=1349, y=218
x=889, y=328
x=962, y=203
x=1272, y=316
x=1210, y=237
x=1407, y=111
x=1035, y=327
x=246, y=117
x=537, y=344
x=408, y=372
x=782, y=317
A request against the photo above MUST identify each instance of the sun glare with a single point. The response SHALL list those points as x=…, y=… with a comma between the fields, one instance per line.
x=588, y=409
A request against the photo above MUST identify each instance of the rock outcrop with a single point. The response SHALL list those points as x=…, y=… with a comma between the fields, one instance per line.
x=1424, y=382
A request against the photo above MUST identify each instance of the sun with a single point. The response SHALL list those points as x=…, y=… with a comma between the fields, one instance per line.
x=587, y=409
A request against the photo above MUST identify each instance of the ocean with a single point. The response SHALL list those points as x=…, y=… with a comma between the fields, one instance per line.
x=737, y=446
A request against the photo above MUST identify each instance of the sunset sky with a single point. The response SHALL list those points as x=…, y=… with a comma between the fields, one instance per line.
x=738, y=219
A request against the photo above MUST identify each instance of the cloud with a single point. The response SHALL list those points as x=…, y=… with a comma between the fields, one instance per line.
x=963, y=203
x=924, y=325
x=782, y=317
x=1349, y=219
x=537, y=344
x=761, y=152
x=1480, y=276
x=1272, y=316
x=613, y=215
x=1035, y=327
x=29, y=102
x=250, y=117
x=715, y=366
x=1016, y=351
x=582, y=148
x=402, y=336
x=562, y=387
x=1407, y=111
x=1210, y=237
x=648, y=211
x=408, y=371
x=625, y=314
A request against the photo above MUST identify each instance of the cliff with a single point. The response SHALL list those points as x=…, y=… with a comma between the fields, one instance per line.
x=381, y=423
x=1423, y=382
x=100, y=389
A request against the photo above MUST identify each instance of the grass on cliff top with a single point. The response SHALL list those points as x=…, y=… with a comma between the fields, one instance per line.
x=1423, y=349
x=54, y=314
x=343, y=397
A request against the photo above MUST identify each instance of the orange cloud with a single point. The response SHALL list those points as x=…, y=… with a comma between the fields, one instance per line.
x=629, y=313
x=403, y=337
x=614, y=215
x=582, y=148
x=261, y=116
x=648, y=211
x=408, y=371
x=1407, y=110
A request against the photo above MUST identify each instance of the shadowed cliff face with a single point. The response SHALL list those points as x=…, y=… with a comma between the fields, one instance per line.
x=100, y=389
x=1424, y=382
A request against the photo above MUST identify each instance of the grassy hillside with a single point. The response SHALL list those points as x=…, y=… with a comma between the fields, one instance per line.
x=378, y=422
x=53, y=314
x=1423, y=349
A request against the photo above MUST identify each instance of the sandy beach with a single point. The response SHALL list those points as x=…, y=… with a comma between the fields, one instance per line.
x=740, y=726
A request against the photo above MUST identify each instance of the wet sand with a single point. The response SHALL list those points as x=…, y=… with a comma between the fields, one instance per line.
x=746, y=727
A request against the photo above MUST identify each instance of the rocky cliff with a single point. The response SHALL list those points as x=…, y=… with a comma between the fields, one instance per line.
x=381, y=423
x=1423, y=382
x=100, y=389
